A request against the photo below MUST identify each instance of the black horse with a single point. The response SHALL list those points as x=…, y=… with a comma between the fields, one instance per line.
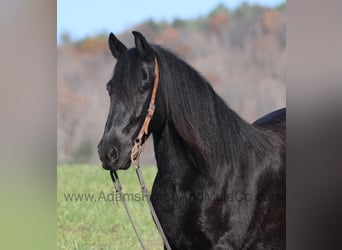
x=221, y=181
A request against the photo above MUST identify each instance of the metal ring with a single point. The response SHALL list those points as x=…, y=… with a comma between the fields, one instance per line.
x=137, y=141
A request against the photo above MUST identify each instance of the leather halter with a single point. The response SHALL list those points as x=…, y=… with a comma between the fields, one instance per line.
x=136, y=150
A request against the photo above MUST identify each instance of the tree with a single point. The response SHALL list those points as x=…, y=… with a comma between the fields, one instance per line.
x=66, y=39
x=220, y=9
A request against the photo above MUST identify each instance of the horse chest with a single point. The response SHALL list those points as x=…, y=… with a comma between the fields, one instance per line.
x=179, y=214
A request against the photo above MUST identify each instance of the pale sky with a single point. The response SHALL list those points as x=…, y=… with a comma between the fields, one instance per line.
x=88, y=17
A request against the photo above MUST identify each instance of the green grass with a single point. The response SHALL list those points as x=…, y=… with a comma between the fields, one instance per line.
x=102, y=223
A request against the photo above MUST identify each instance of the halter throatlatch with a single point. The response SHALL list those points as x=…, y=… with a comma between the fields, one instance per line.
x=135, y=154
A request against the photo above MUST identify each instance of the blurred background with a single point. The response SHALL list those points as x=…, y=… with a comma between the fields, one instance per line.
x=240, y=47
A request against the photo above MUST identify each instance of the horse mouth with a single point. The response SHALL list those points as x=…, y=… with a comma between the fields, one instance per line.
x=124, y=166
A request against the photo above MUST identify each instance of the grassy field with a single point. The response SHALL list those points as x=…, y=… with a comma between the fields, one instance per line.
x=89, y=215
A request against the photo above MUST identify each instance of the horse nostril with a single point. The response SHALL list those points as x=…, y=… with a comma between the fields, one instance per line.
x=112, y=154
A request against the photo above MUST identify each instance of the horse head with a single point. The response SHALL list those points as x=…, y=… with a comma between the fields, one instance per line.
x=130, y=91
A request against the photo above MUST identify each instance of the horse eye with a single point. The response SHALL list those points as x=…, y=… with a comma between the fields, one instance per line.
x=144, y=75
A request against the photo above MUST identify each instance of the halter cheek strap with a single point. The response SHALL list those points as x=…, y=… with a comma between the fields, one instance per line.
x=136, y=150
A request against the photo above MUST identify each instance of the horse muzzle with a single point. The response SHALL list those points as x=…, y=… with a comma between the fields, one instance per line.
x=108, y=156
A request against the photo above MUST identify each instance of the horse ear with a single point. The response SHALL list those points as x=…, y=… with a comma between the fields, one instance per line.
x=116, y=47
x=144, y=49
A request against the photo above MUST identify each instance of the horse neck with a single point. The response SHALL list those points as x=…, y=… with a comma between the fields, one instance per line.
x=201, y=131
x=176, y=159
x=170, y=151
x=225, y=143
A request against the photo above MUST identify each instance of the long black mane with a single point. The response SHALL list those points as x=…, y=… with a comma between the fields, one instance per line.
x=202, y=119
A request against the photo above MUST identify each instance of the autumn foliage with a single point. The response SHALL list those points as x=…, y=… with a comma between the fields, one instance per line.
x=242, y=53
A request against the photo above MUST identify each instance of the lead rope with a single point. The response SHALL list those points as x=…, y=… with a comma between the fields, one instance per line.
x=145, y=192
x=118, y=188
x=147, y=195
